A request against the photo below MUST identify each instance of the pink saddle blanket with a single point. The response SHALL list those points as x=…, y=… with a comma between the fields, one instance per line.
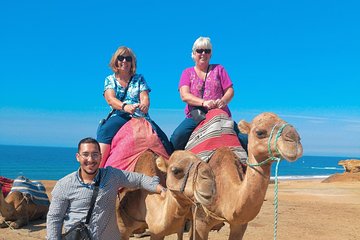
x=134, y=138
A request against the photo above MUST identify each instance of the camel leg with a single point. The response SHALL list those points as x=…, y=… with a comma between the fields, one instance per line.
x=202, y=230
x=19, y=223
x=237, y=231
x=155, y=237
x=2, y=222
x=180, y=235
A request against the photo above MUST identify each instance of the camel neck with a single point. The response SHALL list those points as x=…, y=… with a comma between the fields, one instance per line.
x=4, y=206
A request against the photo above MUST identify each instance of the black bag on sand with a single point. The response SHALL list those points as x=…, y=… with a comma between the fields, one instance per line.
x=78, y=232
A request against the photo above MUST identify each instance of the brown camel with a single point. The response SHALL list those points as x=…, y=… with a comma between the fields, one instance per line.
x=239, y=196
x=17, y=210
x=140, y=209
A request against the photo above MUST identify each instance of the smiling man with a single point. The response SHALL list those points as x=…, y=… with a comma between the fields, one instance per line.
x=72, y=194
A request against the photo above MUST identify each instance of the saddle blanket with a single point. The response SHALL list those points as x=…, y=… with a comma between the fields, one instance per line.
x=6, y=185
x=134, y=138
x=216, y=131
x=34, y=189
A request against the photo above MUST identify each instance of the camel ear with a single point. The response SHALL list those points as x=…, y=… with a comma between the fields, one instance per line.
x=244, y=127
x=161, y=164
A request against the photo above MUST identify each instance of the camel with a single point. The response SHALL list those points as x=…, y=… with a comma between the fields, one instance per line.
x=240, y=194
x=17, y=210
x=140, y=209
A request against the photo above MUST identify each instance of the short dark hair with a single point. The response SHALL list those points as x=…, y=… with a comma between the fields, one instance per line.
x=89, y=140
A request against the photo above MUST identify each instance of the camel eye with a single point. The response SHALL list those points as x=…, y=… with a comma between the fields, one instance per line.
x=176, y=170
x=261, y=133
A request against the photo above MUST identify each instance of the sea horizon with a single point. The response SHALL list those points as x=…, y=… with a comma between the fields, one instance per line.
x=53, y=163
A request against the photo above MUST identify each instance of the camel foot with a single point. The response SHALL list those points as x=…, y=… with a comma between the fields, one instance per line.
x=15, y=225
x=3, y=225
x=217, y=227
x=141, y=235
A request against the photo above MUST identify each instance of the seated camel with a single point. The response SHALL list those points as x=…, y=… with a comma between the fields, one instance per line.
x=139, y=210
x=240, y=192
x=20, y=206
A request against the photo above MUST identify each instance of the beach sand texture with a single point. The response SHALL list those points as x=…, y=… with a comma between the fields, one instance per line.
x=308, y=209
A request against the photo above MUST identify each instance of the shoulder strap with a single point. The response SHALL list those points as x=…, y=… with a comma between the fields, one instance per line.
x=122, y=99
x=203, y=86
x=93, y=199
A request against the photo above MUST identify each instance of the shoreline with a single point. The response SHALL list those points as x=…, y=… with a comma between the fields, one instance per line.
x=307, y=208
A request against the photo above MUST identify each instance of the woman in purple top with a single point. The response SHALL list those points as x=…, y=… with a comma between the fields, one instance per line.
x=204, y=85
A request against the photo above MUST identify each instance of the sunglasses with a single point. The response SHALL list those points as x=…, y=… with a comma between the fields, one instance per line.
x=200, y=51
x=127, y=58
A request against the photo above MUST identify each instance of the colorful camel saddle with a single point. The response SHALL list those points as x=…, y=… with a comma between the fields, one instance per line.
x=6, y=184
x=133, y=139
x=216, y=131
x=33, y=190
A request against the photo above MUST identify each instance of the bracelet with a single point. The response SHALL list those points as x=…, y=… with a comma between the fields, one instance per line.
x=123, y=105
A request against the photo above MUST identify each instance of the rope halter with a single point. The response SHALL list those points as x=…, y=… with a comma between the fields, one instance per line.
x=269, y=159
x=271, y=155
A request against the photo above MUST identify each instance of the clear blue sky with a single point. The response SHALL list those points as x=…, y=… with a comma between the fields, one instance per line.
x=299, y=59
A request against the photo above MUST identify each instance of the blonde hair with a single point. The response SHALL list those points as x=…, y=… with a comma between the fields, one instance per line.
x=120, y=52
x=201, y=42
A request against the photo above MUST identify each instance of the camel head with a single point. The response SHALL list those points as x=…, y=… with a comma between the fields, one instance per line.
x=188, y=177
x=270, y=136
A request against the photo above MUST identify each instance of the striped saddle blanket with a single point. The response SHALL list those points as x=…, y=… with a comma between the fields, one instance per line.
x=6, y=184
x=35, y=190
x=216, y=131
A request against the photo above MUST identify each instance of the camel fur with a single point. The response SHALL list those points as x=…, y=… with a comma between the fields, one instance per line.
x=140, y=209
x=240, y=194
x=17, y=210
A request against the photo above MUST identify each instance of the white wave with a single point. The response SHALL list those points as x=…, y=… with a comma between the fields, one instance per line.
x=300, y=177
x=327, y=168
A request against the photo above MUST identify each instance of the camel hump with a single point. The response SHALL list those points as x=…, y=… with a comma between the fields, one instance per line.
x=132, y=139
x=34, y=189
x=216, y=131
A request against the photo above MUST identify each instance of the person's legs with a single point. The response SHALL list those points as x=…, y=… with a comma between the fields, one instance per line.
x=105, y=151
x=106, y=132
x=182, y=133
x=163, y=138
x=243, y=138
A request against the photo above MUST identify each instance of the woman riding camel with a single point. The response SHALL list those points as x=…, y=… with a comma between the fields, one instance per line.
x=127, y=93
x=206, y=86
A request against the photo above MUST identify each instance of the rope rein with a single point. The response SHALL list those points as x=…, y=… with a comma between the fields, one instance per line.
x=269, y=159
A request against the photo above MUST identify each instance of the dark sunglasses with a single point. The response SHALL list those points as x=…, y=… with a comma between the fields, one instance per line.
x=200, y=51
x=127, y=58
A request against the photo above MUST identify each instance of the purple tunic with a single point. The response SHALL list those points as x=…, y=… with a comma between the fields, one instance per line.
x=217, y=81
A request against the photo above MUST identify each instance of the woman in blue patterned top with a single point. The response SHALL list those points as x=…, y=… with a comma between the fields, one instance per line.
x=128, y=94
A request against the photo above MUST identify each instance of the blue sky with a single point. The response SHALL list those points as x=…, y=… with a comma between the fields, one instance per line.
x=299, y=59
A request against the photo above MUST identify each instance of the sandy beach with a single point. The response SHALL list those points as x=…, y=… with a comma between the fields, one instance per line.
x=308, y=209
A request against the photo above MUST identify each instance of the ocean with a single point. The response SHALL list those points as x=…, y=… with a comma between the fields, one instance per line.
x=53, y=163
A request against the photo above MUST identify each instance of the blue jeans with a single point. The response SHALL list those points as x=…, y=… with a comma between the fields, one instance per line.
x=182, y=133
x=106, y=131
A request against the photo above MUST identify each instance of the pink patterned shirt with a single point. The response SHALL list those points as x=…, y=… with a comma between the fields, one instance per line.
x=217, y=81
